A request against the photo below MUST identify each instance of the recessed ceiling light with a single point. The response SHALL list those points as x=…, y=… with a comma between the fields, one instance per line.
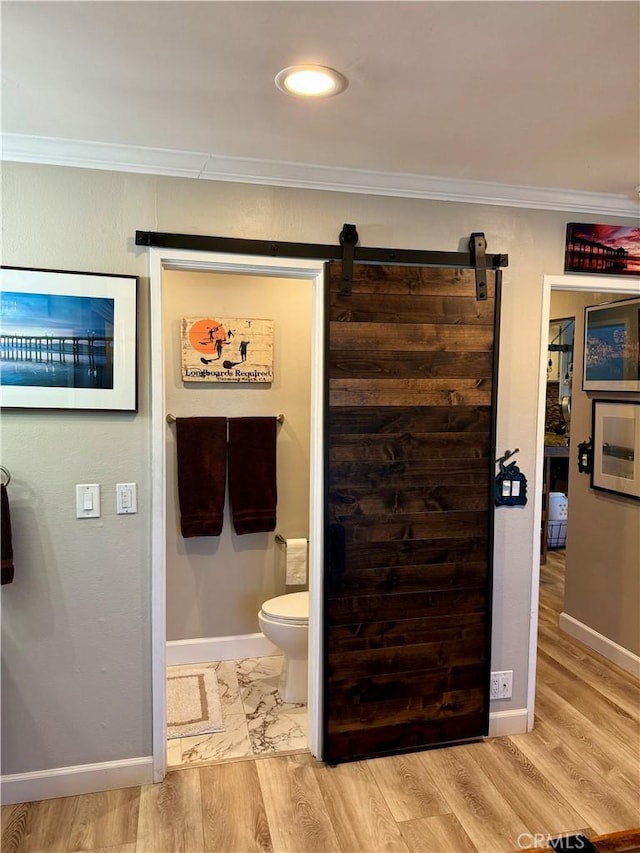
x=310, y=81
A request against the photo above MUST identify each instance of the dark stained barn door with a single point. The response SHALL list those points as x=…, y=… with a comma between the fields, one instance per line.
x=409, y=510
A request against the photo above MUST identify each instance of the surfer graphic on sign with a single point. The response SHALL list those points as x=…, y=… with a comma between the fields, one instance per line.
x=208, y=336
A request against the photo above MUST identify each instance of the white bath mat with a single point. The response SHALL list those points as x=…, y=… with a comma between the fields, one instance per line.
x=193, y=702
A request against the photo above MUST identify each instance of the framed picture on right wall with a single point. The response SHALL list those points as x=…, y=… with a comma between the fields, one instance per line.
x=616, y=447
x=612, y=346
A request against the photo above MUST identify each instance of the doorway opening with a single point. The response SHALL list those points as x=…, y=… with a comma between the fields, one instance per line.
x=571, y=294
x=165, y=266
x=217, y=584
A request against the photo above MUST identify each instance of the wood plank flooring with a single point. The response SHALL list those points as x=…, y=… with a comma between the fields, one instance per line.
x=577, y=772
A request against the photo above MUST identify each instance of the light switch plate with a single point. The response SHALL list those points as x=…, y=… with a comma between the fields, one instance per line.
x=126, y=498
x=88, y=500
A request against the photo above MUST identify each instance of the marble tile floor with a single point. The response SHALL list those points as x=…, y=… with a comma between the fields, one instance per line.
x=256, y=720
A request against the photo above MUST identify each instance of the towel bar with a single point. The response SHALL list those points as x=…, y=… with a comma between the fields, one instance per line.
x=171, y=419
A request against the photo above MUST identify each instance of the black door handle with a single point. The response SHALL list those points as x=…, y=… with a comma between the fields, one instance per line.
x=337, y=549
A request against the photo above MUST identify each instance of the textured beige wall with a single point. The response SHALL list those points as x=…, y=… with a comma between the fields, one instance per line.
x=602, y=585
x=76, y=658
x=216, y=585
x=75, y=622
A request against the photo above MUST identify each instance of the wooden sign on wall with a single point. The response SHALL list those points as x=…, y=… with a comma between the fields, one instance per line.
x=226, y=349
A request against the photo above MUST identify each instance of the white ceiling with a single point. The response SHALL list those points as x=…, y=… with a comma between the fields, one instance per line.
x=535, y=100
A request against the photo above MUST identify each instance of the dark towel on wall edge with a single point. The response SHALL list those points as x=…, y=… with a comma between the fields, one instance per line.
x=202, y=474
x=252, y=474
x=6, y=540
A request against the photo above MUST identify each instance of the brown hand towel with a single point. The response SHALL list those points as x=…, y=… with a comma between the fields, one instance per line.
x=252, y=474
x=6, y=541
x=202, y=474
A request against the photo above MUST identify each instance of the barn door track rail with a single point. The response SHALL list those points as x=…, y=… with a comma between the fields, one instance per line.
x=348, y=251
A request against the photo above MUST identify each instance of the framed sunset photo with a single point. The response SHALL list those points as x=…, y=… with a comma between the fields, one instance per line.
x=602, y=249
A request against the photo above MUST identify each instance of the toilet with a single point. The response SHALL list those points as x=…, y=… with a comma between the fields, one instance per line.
x=285, y=621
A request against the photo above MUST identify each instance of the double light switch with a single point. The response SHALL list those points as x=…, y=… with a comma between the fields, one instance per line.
x=88, y=499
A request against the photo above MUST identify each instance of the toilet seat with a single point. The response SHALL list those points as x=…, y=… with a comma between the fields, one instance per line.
x=291, y=608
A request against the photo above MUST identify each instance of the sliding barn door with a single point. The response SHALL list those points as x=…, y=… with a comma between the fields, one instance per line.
x=409, y=516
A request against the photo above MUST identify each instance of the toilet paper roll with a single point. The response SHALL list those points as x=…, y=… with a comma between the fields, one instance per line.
x=296, y=573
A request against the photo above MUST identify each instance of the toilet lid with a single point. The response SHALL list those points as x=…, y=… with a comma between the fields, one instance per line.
x=294, y=607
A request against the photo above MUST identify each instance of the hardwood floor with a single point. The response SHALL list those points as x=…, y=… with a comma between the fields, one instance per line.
x=577, y=772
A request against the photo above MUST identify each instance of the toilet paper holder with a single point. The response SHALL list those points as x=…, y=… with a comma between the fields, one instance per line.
x=296, y=557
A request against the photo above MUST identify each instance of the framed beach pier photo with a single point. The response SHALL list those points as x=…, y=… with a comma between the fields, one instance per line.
x=68, y=340
x=602, y=249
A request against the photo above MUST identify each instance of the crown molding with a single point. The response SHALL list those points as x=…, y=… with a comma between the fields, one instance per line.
x=46, y=150
x=204, y=166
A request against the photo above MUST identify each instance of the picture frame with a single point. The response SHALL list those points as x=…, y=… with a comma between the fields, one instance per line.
x=616, y=447
x=68, y=340
x=602, y=249
x=611, y=360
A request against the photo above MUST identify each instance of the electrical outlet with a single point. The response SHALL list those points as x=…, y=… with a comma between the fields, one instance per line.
x=501, y=686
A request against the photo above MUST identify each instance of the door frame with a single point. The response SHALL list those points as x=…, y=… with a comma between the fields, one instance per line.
x=574, y=283
x=313, y=270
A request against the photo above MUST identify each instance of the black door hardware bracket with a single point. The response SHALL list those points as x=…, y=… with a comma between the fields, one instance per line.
x=348, y=241
x=478, y=249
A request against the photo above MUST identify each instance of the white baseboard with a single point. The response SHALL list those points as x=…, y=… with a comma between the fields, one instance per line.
x=70, y=781
x=506, y=723
x=204, y=649
x=599, y=643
